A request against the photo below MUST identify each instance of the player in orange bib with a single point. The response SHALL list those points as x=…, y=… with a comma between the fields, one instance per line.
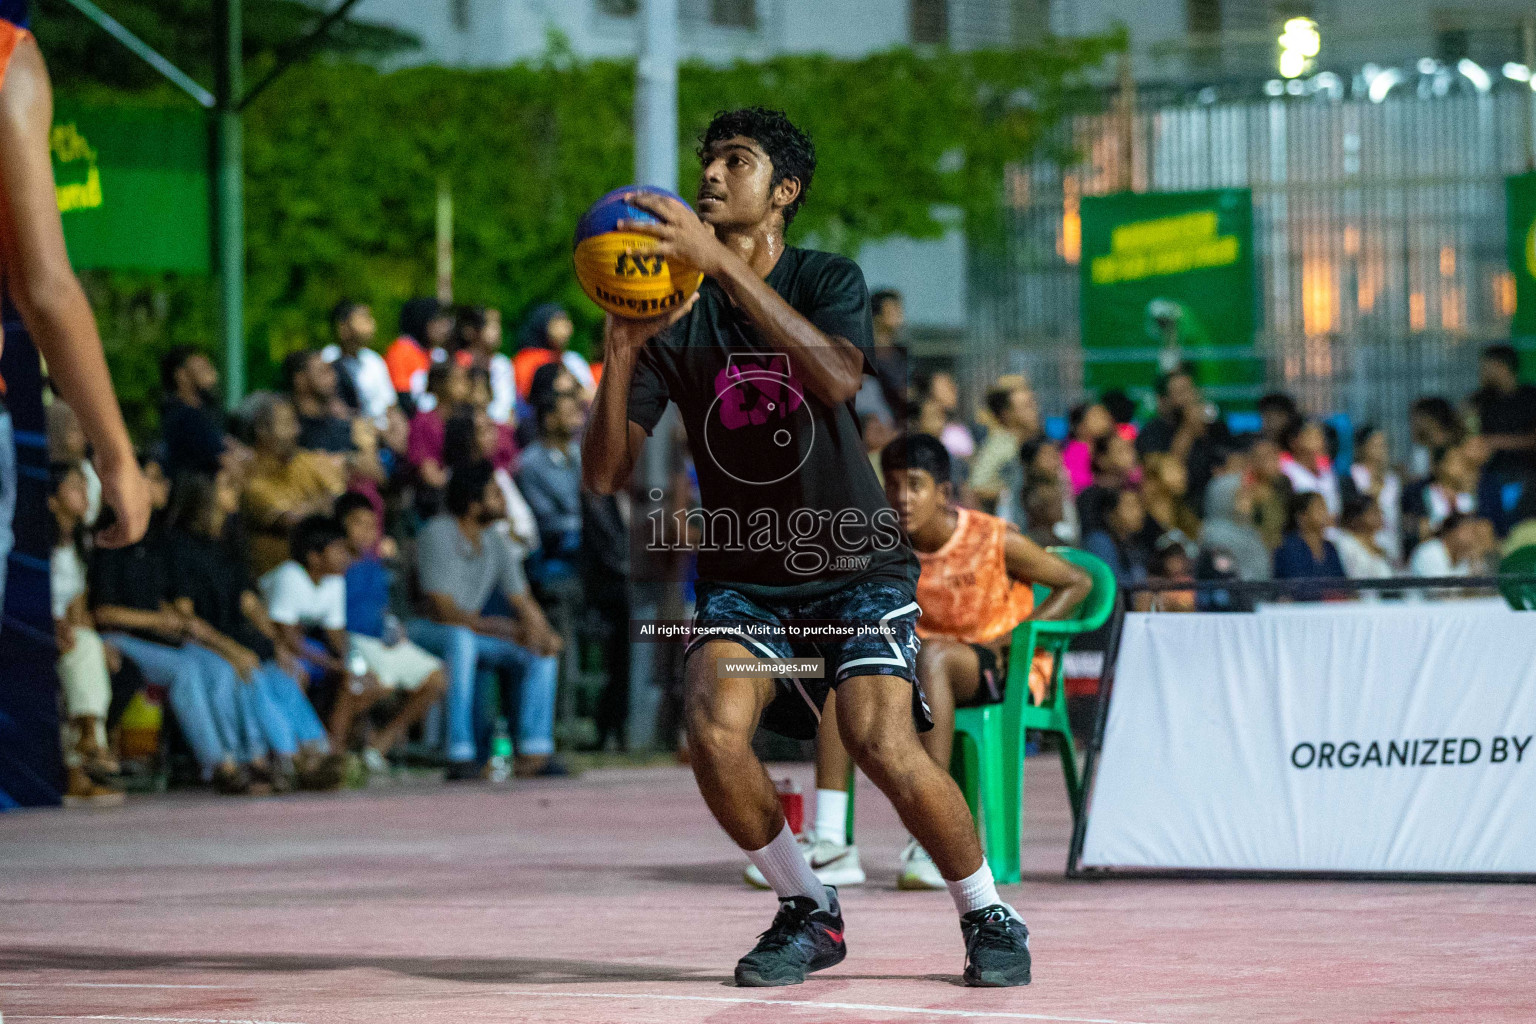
x=976, y=585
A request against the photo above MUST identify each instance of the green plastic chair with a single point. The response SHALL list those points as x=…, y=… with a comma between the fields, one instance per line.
x=1521, y=562
x=988, y=760
x=988, y=757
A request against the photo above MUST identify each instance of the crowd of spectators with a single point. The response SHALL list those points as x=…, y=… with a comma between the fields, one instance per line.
x=357, y=559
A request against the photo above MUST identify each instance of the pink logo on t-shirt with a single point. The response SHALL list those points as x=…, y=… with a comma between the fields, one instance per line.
x=773, y=393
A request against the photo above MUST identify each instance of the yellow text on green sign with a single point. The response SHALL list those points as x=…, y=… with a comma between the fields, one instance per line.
x=1164, y=246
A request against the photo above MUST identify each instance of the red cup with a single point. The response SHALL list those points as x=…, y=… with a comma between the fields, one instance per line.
x=793, y=802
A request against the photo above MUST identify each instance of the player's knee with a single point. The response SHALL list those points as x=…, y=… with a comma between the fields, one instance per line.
x=882, y=750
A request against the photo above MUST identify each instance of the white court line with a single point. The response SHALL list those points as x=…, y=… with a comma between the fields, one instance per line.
x=105, y=984
x=822, y=1006
x=164, y=1020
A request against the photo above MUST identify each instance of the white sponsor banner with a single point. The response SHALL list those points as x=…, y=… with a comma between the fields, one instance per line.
x=1393, y=739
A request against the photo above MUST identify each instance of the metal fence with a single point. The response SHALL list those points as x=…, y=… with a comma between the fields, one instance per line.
x=1379, y=234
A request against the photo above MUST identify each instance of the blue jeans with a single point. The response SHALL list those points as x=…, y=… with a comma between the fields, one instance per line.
x=285, y=718
x=464, y=651
x=7, y=499
x=204, y=693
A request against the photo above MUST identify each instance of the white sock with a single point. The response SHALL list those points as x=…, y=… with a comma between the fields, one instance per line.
x=785, y=869
x=832, y=815
x=975, y=891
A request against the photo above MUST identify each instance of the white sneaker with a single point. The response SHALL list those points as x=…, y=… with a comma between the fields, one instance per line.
x=375, y=762
x=917, y=869
x=833, y=863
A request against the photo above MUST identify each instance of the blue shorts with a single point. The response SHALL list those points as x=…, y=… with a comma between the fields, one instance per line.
x=887, y=646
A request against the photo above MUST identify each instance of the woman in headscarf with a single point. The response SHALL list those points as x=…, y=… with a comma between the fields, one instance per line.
x=543, y=339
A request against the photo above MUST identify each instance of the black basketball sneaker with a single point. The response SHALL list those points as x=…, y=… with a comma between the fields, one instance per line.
x=802, y=938
x=996, y=948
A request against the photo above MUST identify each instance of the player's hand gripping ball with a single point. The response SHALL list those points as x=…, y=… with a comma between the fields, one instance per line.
x=620, y=270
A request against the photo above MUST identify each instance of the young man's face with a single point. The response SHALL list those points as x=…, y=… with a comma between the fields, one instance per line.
x=333, y=561
x=916, y=498
x=736, y=184
x=362, y=528
x=493, y=504
x=280, y=434
x=891, y=317
x=1496, y=374
x=359, y=328
x=200, y=374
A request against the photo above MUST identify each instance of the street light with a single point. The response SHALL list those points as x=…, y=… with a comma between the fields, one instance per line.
x=1299, y=44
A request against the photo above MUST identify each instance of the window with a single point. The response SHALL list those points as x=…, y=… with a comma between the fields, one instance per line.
x=619, y=8
x=928, y=20
x=733, y=13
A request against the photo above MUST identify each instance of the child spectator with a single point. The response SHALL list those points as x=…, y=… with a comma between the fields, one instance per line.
x=378, y=637
x=308, y=594
x=131, y=600
x=214, y=590
x=286, y=484
x=83, y=672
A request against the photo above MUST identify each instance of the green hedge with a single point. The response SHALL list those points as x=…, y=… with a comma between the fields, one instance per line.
x=343, y=164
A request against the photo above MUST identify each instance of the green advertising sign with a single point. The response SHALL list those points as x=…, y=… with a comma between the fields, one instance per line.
x=1164, y=269
x=133, y=187
x=1520, y=204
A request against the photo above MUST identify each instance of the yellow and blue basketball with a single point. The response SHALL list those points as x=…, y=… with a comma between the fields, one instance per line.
x=619, y=270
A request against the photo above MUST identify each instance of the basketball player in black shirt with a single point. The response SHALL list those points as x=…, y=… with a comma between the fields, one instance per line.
x=764, y=364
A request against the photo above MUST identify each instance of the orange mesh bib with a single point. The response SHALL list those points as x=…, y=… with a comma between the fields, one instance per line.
x=10, y=38
x=965, y=590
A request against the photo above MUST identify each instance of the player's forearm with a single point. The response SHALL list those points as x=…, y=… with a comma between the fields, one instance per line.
x=832, y=368
x=609, y=448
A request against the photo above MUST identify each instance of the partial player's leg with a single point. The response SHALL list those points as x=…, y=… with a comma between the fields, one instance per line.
x=875, y=718
x=721, y=715
x=950, y=674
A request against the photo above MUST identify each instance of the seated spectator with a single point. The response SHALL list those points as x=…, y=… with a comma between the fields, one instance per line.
x=549, y=477
x=83, y=673
x=362, y=377
x=471, y=437
x=1187, y=428
x=191, y=420
x=462, y=560
x=448, y=384
x=1506, y=414
x=1271, y=492
x=1305, y=463
x=1040, y=463
x=1043, y=512
x=1457, y=548
x=215, y=591
x=1123, y=409
x=1434, y=426
x=285, y=485
x=544, y=338
x=1120, y=540
x=1114, y=468
x=1015, y=420
x=1164, y=493
x=1277, y=414
x=67, y=446
x=310, y=383
x=306, y=597
x=478, y=335
x=131, y=602
x=377, y=636
x=1451, y=489
x=1171, y=563
x=424, y=329
x=1359, y=541
x=1307, y=553
x=1372, y=476
x=1229, y=526
x=1088, y=422
x=552, y=378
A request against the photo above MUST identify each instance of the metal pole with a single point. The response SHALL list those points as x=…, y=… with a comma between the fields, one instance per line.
x=444, y=241
x=229, y=195
x=655, y=164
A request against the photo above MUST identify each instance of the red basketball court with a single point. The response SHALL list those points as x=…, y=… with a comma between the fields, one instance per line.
x=613, y=898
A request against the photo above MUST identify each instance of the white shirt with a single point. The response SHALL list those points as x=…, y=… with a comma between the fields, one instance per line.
x=294, y=599
x=374, y=391
x=1390, y=501
x=66, y=578
x=1360, y=562
x=1432, y=559
x=1313, y=481
x=504, y=388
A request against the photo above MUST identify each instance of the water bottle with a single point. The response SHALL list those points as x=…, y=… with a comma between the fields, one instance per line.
x=501, y=752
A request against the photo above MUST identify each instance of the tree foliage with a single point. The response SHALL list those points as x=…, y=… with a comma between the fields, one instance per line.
x=343, y=165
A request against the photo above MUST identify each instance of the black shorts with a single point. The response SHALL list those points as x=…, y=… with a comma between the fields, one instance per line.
x=993, y=675
x=888, y=648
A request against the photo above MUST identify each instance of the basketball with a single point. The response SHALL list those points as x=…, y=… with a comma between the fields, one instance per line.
x=619, y=270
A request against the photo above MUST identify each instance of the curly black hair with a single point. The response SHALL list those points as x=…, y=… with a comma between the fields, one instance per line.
x=791, y=151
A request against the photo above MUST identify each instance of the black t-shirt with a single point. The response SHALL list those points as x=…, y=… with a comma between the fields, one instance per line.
x=792, y=507
x=133, y=577
x=1205, y=454
x=326, y=434
x=206, y=572
x=194, y=437
x=1514, y=413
